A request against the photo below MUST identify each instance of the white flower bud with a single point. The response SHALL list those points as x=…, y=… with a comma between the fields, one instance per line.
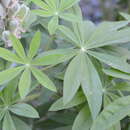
x=13, y=24
x=23, y=12
x=5, y=38
x=5, y=35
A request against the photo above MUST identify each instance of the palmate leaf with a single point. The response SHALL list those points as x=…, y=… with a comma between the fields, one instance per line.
x=113, y=113
x=24, y=110
x=8, y=123
x=81, y=71
x=78, y=99
x=106, y=33
x=9, y=74
x=54, y=57
x=83, y=121
x=56, y=9
x=25, y=83
x=43, y=79
x=111, y=60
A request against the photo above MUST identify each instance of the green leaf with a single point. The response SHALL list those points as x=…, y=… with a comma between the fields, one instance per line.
x=54, y=57
x=17, y=45
x=10, y=90
x=116, y=127
x=53, y=24
x=64, y=128
x=117, y=51
x=9, y=74
x=114, y=61
x=70, y=17
x=8, y=123
x=110, y=26
x=66, y=4
x=69, y=34
x=35, y=43
x=104, y=38
x=2, y=114
x=9, y=56
x=112, y=114
x=106, y=100
x=20, y=125
x=126, y=16
x=91, y=85
x=42, y=13
x=122, y=86
x=77, y=100
x=51, y=4
x=117, y=74
x=113, y=96
x=43, y=79
x=80, y=30
x=83, y=121
x=72, y=79
x=76, y=9
x=41, y=4
x=24, y=83
x=24, y=110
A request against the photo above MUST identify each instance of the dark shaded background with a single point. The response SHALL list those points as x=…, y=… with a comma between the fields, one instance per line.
x=98, y=10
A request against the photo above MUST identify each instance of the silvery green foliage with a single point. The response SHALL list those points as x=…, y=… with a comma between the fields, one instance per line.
x=12, y=16
x=82, y=71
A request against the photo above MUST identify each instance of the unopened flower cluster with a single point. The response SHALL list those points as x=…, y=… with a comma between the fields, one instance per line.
x=12, y=16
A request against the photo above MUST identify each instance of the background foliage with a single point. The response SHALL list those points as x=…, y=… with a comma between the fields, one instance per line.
x=61, y=70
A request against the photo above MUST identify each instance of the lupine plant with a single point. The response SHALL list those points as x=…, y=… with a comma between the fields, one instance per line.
x=12, y=16
x=64, y=72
